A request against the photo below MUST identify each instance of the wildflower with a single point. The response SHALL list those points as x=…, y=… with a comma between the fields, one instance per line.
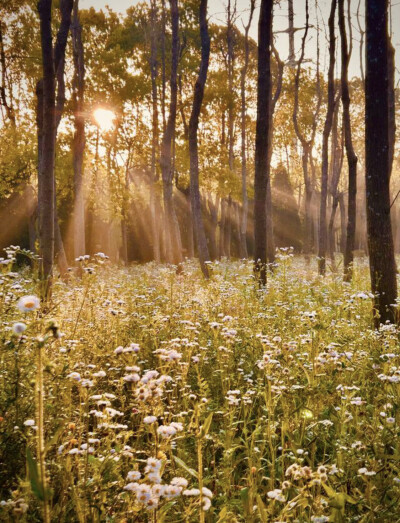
x=74, y=376
x=143, y=493
x=28, y=303
x=19, y=328
x=276, y=494
x=133, y=475
x=29, y=423
x=207, y=492
x=365, y=472
x=179, y=482
x=172, y=491
x=149, y=419
x=206, y=503
x=191, y=492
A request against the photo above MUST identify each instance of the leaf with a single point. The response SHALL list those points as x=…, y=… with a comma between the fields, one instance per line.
x=185, y=467
x=206, y=427
x=262, y=510
x=36, y=484
x=329, y=490
x=222, y=515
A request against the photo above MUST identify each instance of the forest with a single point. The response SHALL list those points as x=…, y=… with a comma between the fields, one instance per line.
x=199, y=238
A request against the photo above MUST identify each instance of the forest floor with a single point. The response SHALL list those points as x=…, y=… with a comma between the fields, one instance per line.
x=169, y=398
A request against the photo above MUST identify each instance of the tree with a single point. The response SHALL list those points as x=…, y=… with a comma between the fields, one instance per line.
x=325, y=143
x=198, y=224
x=351, y=155
x=307, y=143
x=46, y=165
x=243, y=73
x=379, y=228
x=174, y=247
x=79, y=135
x=261, y=177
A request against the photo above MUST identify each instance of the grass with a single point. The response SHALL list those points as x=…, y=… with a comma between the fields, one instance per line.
x=168, y=398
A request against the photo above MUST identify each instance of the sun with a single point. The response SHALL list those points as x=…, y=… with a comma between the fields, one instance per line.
x=105, y=118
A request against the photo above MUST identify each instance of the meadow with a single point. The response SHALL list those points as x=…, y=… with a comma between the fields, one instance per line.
x=150, y=394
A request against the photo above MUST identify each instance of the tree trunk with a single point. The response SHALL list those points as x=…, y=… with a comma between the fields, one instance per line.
x=46, y=164
x=222, y=229
x=79, y=135
x=213, y=208
x=351, y=156
x=323, y=233
x=245, y=202
x=262, y=140
x=200, y=236
x=336, y=168
x=154, y=197
x=392, y=104
x=380, y=239
x=174, y=246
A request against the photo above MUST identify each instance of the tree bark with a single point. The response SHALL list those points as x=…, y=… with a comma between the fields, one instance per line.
x=46, y=163
x=323, y=233
x=380, y=239
x=200, y=236
x=243, y=74
x=351, y=156
x=262, y=140
x=154, y=203
x=174, y=246
x=79, y=135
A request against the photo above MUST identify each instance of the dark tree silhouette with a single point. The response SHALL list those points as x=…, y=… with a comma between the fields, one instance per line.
x=47, y=148
x=379, y=228
x=79, y=135
x=262, y=139
x=198, y=224
x=173, y=241
x=323, y=233
x=351, y=155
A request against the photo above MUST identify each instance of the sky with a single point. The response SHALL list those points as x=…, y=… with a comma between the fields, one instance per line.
x=216, y=11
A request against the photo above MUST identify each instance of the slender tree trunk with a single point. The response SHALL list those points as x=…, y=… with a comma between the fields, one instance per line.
x=213, y=208
x=392, y=103
x=200, y=236
x=79, y=135
x=4, y=77
x=222, y=229
x=262, y=139
x=46, y=164
x=307, y=144
x=245, y=202
x=380, y=239
x=323, y=233
x=154, y=197
x=174, y=246
x=351, y=156
x=336, y=168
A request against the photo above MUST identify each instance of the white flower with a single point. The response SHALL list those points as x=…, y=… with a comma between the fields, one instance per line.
x=276, y=494
x=191, y=492
x=131, y=486
x=206, y=503
x=153, y=465
x=172, y=491
x=28, y=303
x=74, y=376
x=133, y=475
x=149, y=419
x=179, y=482
x=19, y=328
x=29, y=423
x=207, y=492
